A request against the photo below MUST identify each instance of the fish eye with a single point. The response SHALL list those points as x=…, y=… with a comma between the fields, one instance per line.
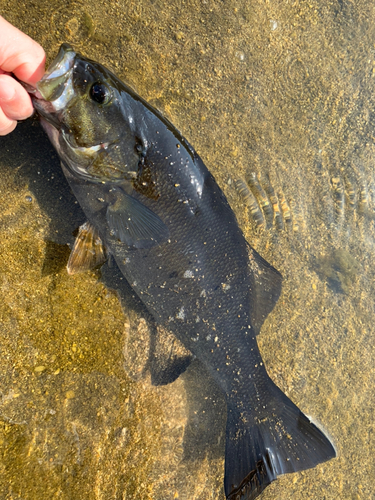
x=100, y=93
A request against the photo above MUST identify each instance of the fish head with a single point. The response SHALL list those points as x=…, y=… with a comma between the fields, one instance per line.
x=84, y=112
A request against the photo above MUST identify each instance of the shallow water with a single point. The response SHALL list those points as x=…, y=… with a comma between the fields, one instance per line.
x=283, y=90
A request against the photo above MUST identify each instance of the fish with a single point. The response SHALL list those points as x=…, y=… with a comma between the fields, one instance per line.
x=156, y=209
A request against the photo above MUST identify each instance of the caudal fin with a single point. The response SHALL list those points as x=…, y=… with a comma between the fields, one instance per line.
x=277, y=440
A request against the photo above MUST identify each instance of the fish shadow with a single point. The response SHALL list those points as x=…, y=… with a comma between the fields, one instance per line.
x=205, y=430
x=204, y=434
x=27, y=155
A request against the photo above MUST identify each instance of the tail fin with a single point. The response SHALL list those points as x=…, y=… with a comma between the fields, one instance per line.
x=260, y=447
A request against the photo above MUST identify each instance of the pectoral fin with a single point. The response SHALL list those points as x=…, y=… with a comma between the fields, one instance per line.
x=88, y=251
x=134, y=224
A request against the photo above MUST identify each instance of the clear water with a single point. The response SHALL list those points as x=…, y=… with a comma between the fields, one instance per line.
x=283, y=90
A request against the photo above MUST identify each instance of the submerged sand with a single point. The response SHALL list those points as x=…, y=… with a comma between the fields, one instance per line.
x=281, y=90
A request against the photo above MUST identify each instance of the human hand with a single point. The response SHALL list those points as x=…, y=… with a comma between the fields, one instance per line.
x=25, y=58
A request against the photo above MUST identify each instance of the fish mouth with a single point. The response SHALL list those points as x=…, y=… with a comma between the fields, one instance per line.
x=55, y=89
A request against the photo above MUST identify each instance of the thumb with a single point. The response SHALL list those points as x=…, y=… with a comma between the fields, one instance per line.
x=20, y=54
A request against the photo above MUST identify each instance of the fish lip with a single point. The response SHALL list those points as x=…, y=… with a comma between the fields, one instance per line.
x=56, y=86
x=58, y=66
x=69, y=139
x=51, y=120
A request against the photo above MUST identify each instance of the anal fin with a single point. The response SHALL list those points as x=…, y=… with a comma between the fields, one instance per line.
x=152, y=348
x=169, y=358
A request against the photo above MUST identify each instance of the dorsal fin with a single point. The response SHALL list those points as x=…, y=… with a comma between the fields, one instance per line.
x=265, y=289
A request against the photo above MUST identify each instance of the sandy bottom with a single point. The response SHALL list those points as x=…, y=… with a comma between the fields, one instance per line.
x=277, y=97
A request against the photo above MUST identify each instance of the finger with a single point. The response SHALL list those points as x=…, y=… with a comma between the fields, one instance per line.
x=20, y=54
x=6, y=125
x=15, y=102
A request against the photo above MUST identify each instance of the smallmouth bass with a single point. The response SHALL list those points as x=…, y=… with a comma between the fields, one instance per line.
x=153, y=205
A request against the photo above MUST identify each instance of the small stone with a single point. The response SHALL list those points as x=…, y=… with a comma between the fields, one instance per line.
x=273, y=25
x=70, y=395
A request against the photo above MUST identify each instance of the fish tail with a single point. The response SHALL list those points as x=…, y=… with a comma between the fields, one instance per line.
x=278, y=440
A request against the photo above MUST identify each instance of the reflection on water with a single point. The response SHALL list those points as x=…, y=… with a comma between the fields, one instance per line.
x=278, y=99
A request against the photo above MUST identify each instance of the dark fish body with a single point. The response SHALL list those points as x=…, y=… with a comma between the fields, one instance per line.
x=160, y=213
